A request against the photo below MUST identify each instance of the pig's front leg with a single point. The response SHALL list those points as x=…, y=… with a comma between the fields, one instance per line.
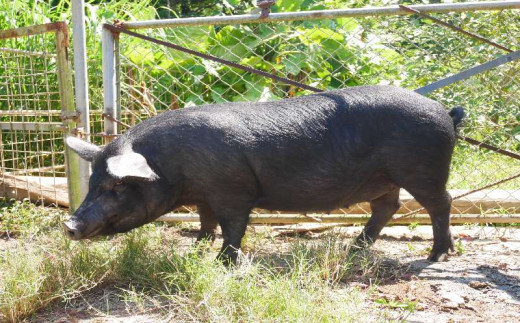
x=233, y=222
x=208, y=224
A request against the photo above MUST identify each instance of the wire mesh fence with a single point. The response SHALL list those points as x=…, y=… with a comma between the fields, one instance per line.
x=33, y=97
x=404, y=50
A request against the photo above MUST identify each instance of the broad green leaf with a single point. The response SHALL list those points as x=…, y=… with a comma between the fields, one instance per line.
x=319, y=34
x=348, y=24
x=198, y=69
x=294, y=62
x=140, y=55
x=288, y=5
x=218, y=93
x=251, y=61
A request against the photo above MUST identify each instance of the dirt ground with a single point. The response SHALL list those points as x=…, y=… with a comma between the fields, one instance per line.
x=482, y=284
x=479, y=283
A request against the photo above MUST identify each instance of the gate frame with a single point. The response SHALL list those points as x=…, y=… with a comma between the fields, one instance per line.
x=110, y=38
x=69, y=115
x=111, y=58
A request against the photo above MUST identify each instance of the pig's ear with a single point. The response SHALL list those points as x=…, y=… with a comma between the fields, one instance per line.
x=130, y=164
x=84, y=149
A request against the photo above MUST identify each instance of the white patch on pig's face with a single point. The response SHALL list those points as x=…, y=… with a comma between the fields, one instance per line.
x=130, y=164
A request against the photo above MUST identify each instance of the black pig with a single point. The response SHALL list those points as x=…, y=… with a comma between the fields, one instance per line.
x=305, y=154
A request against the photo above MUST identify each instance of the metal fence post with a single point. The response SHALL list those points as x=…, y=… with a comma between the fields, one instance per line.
x=117, y=63
x=81, y=85
x=68, y=112
x=109, y=82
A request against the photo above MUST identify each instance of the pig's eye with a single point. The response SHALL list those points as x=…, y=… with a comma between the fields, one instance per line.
x=119, y=184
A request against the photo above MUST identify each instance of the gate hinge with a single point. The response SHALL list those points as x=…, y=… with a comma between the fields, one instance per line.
x=70, y=116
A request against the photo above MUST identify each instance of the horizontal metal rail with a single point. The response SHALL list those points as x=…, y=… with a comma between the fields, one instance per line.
x=349, y=219
x=322, y=14
x=40, y=170
x=57, y=113
x=25, y=52
x=34, y=30
x=31, y=126
x=30, y=113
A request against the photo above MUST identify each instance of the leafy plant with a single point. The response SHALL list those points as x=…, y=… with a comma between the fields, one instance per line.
x=413, y=226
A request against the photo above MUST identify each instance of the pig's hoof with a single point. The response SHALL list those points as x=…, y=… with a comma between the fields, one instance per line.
x=355, y=252
x=354, y=248
x=438, y=256
x=227, y=260
x=362, y=242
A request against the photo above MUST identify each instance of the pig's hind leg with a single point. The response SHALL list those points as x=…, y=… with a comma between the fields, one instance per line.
x=438, y=206
x=383, y=208
x=424, y=175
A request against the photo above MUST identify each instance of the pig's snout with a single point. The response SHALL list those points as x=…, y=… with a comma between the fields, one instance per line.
x=72, y=230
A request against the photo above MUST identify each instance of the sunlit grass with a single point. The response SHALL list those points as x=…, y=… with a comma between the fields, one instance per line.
x=309, y=282
x=472, y=168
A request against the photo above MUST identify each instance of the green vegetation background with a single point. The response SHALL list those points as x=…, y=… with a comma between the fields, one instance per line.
x=331, y=53
x=39, y=266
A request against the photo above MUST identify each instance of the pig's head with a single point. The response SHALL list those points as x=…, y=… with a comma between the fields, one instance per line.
x=124, y=191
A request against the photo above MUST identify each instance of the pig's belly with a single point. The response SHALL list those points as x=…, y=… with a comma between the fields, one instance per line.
x=320, y=197
x=302, y=204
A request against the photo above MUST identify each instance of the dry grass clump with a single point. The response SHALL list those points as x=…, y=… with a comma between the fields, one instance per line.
x=309, y=286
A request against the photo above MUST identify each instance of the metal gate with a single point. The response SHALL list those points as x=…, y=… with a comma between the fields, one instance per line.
x=152, y=66
x=36, y=110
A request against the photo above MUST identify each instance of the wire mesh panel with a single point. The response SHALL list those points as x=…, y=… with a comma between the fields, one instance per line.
x=407, y=51
x=32, y=157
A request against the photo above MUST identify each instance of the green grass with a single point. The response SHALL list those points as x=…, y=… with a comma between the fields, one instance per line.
x=307, y=283
x=473, y=168
x=23, y=219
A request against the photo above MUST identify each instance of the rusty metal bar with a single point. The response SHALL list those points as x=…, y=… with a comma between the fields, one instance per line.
x=34, y=30
x=488, y=146
x=453, y=27
x=119, y=122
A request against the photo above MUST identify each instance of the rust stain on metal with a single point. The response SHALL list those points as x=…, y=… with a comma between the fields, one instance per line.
x=118, y=23
x=115, y=28
x=265, y=5
x=61, y=26
x=33, y=30
x=119, y=122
